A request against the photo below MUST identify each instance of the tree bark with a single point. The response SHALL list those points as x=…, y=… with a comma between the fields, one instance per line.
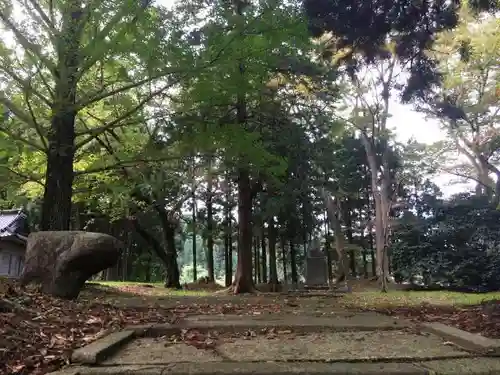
x=333, y=211
x=328, y=250
x=264, y=255
x=228, y=279
x=283, y=258
x=172, y=279
x=58, y=192
x=293, y=263
x=256, y=260
x=210, y=235
x=194, y=252
x=381, y=205
x=230, y=259
x=349, y=234
x=170, y=255
x=228, y=239
x=147, y=269
x=273, y=272
x=56, y=206
x=151, y=241
x=243, y=280
x=365, y=261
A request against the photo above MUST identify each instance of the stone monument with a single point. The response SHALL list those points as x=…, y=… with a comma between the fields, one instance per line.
x=316, y=267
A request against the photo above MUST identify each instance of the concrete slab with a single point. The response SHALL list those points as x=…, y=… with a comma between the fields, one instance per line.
x=478, y=366
x=357, y=316
x=229, y=323
x=465, y=339
x=150, y=351
x=102, y=348
x=475, y=366
x=338, y=346
x=270, y=368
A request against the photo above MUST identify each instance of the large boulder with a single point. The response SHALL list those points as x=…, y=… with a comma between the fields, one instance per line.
x=62, y=261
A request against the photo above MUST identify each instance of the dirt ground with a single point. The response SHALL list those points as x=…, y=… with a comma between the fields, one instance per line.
x=38, y=333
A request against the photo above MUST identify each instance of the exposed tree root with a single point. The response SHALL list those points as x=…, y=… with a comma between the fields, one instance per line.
x=8, y=306
x=233, y=290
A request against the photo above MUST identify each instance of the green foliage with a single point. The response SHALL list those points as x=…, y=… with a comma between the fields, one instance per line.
x=455, y=244
x=466, y=105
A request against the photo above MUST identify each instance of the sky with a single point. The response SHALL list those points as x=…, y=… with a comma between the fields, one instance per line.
x=408, y=123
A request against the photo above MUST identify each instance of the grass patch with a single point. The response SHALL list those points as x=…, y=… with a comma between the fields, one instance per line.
x=148, y=289
x=117, y=284
x=414, y=298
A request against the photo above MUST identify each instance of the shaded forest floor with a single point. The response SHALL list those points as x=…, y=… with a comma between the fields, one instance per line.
x=38, y=333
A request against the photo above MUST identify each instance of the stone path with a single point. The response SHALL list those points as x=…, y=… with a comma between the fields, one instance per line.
x=362, y=344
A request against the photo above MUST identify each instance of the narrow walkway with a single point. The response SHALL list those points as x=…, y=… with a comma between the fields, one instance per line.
x=362, y=343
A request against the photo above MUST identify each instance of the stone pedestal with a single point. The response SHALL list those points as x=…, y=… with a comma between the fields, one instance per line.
x=316, y=269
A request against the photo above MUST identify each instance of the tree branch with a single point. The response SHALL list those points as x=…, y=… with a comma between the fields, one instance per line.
x=50, y=25
x=85, y=103
x=23, y=117
x=125, y=163
x=151, y=241
x=30, y=178
x=27, y=45
x=25, y=85
x=37, y=126
x=116, y=122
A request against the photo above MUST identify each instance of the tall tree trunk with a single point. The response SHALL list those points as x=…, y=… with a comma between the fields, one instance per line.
x=365, y=261
x=381, y=205
x=147, y=268
x=210, y=235
x=172, y=277
x=257, y=260
x=328, y=250
x=283, y=258
x=230, y=259
x=350, y=240
x=227, y=256
x=372, y=254
x=254, y=261
x=243, y=279
x=152, y=242
x=56, y=205
x=369, y=214
x=194, y=252
x=380, y=172
x=58, y=192
x=228, y=238
x=334, y=213
x=349, y=234
x=293, y=263
x=305, y=219
x=264, y=254
x=273, y=272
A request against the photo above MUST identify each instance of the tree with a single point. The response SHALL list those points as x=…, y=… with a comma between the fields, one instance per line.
x=453, y=246
x=360, y=31
x=228, y=112
x=76, y=58
x=466, y=105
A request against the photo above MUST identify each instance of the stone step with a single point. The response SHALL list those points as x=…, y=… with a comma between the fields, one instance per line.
x=316, y=287
x=481, y=366
x=346, y=343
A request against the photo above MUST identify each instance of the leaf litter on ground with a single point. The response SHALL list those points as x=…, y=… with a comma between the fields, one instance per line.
x=38, y=333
